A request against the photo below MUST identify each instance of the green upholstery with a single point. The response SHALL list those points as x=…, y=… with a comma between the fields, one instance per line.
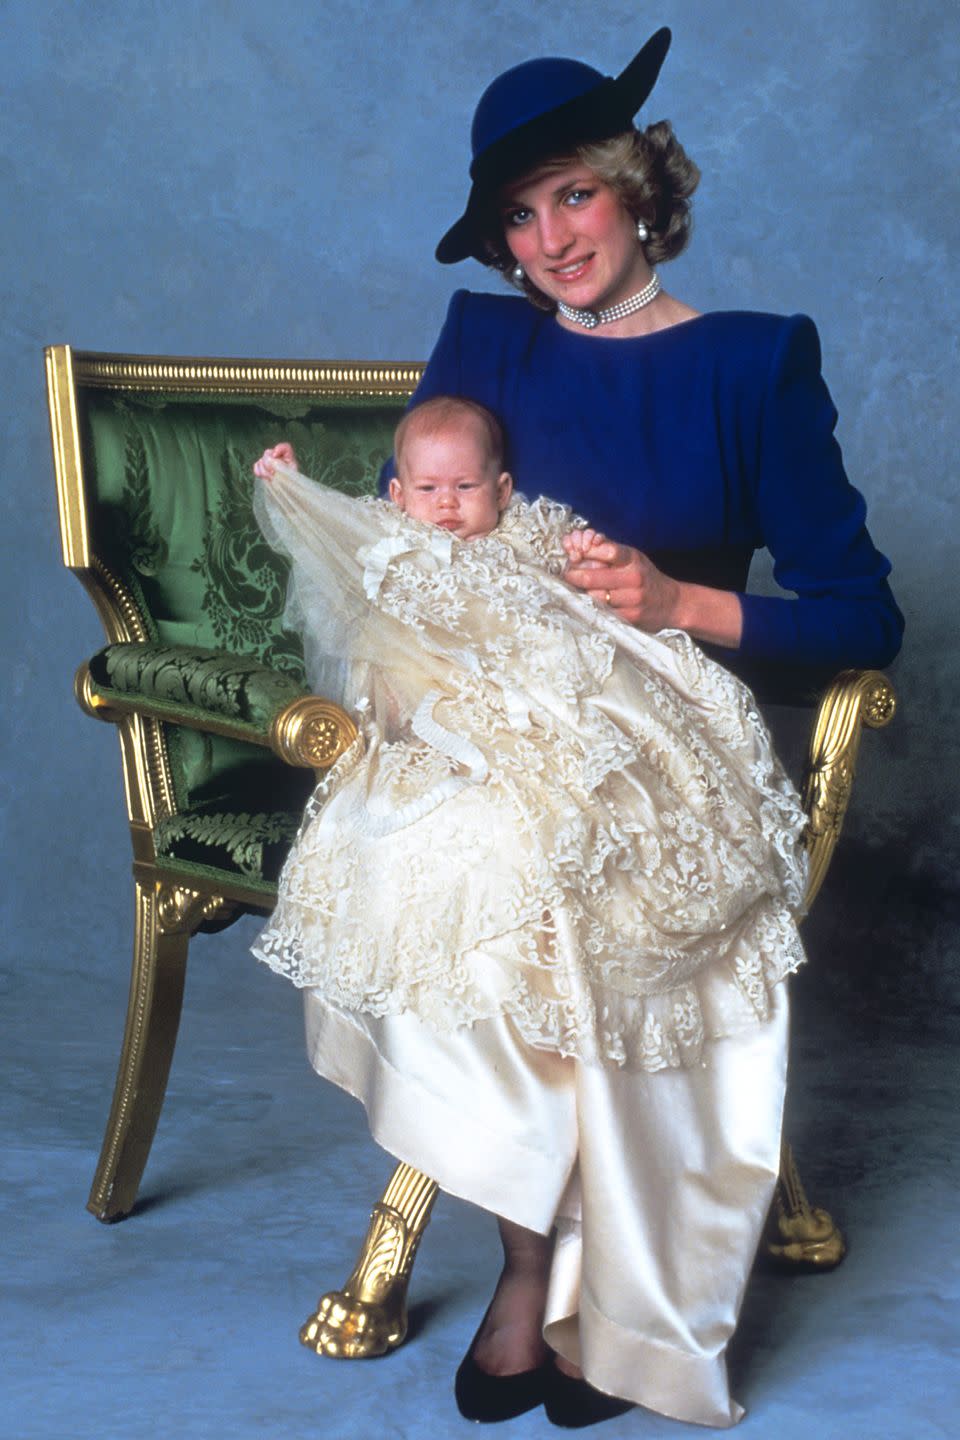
x=214, y=684
x=171, y=495
x=169, y=487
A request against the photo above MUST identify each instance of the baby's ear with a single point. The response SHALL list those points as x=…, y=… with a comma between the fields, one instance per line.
x=504, y=489
x=395, y=491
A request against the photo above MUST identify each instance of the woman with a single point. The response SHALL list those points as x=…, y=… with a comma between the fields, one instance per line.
x=631, y=1202
x=700, y=440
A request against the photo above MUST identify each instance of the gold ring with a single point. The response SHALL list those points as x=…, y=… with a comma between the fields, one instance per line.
x=606, y=597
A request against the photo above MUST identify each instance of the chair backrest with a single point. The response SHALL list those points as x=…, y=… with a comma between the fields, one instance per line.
x=153, y=458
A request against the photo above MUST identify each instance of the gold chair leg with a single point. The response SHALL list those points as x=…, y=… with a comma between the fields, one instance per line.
x=800, y=1236
x=160, y=946
x=369, y=1315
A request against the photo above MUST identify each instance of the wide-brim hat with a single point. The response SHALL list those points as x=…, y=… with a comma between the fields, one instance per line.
x=543, y=108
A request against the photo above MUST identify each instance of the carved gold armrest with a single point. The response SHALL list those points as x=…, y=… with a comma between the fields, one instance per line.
x=856, y=698
x=307, y=731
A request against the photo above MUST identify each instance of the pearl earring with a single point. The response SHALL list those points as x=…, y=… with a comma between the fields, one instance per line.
x=517, y=273
x=643, y=234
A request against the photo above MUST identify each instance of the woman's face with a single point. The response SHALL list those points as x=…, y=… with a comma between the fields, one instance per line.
x=573, y=237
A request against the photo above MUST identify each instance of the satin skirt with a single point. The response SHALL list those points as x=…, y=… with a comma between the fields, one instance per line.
x=657, y=1184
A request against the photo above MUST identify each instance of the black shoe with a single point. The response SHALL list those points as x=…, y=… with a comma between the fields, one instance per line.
x=574, y=1404
x=489, y=1398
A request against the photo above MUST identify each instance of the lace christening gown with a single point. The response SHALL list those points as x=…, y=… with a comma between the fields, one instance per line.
x=548, y=815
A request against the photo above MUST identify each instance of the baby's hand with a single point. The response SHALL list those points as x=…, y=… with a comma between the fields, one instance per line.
x=589, y=549
x=283, y=453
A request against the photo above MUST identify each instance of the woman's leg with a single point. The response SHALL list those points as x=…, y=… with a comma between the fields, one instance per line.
x=510, y=1339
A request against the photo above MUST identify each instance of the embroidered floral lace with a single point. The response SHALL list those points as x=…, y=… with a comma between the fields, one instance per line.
x=548, y=814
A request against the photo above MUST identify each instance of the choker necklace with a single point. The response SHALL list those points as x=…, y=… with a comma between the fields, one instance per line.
x=590, y=319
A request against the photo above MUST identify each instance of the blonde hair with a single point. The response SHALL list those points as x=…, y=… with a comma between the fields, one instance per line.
x=652, y=176
x=444, y=412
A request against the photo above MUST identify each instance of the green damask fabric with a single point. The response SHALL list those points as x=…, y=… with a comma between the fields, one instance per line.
x=173, y=514
x=170, y=506
x=221, y=684
x=231, y=822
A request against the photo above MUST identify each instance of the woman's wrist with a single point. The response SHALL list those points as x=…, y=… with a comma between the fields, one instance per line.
x=714, y=616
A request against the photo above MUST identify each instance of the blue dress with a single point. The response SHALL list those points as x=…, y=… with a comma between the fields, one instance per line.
x=698, y=444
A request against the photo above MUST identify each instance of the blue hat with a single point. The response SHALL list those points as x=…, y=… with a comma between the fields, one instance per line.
x=542, y=108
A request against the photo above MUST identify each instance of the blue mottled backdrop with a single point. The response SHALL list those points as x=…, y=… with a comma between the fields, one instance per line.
x=241, y=178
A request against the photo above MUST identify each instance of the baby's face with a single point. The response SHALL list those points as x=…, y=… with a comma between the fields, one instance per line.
x=449, y=479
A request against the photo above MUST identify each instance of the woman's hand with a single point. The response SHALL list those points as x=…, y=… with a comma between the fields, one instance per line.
x=633, y=587
x=264, y=468
x=623, y=578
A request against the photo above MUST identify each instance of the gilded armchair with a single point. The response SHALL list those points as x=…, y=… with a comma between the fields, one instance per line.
x=220, y=740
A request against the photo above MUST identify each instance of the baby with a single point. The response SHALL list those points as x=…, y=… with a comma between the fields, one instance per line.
x=449, y=457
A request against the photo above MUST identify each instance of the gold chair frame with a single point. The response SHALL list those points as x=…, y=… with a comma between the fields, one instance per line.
x=368, y=1316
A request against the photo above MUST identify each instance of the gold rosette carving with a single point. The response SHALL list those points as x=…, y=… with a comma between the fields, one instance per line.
x=312, y=732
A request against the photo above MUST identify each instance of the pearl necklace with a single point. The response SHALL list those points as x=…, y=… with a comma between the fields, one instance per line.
x=590, y=319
